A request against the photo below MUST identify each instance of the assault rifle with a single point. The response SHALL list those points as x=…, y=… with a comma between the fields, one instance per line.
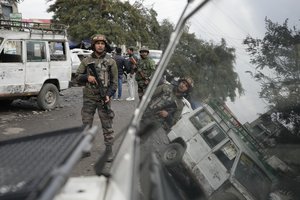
x=152, y=114
x=91, y=67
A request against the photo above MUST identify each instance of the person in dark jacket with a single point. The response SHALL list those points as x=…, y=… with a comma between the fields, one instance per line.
x=121, y=63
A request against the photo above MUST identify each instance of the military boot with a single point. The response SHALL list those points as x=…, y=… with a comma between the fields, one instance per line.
x=109, y=152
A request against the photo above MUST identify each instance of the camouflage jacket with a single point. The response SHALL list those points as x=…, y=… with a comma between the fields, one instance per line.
x=107, y=70
x=146, y=67
x=165, y=98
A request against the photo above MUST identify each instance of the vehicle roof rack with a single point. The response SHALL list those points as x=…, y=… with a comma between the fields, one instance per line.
x=34, y=27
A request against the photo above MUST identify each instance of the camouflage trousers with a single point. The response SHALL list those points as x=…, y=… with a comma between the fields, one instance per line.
x=106, y=117
x=141, y=89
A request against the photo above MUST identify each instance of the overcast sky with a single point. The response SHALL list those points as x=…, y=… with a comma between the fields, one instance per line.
x=230, y=19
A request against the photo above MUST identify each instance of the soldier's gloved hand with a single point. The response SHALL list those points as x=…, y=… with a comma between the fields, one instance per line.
x=163, y=113
x=92, y=79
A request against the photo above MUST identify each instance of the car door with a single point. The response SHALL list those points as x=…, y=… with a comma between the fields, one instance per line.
x=12, y=69
x=211, y=166
x=37, y=65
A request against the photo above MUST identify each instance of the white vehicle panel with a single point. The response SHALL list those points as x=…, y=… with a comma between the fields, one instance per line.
x=183, y=129
x=213, y=170
x=197, y=148
x=36, y=74
x=75, y=62
x=61, y=70
x=83, y=188
x=12, y=76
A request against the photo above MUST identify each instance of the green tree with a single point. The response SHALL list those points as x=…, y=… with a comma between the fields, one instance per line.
x=277, y=57
x=166, y=28
x=121, y=22
x=124, y=23
x=210, y=65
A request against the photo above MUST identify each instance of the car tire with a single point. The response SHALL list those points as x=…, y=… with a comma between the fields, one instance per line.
x=48, y=97
x=172, y=154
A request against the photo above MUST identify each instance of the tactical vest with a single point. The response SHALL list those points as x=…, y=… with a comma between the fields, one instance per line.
x=103, y=69
x=165, y=100
x=147, y=66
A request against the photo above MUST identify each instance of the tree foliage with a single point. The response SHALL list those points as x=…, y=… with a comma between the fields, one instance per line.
x=277, y=57
x=121, y=22
x=166, y=28
x=124, y=23
x=210, y=65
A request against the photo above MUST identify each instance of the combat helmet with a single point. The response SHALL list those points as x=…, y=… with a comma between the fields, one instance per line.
x=99, y=37
x=189, y=81
x=145, y=49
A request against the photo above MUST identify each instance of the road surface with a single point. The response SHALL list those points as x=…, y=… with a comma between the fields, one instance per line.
x=23, y=118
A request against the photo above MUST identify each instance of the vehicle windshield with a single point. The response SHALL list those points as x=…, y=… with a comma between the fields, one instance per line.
x=250, y=176
x=242, y=60
x=215, y=116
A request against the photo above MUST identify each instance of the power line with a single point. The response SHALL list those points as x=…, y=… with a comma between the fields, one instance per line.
x=233, y=21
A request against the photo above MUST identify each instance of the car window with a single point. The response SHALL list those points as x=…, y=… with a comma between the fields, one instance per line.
x=227, y=154
x=11, y=52
x=213, y=136
x=57, y=51
x=36, y=51
x=252, y=177
x=201, y=119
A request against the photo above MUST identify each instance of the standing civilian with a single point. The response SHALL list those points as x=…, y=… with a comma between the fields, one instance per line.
x=132, y=61
x=121, y=63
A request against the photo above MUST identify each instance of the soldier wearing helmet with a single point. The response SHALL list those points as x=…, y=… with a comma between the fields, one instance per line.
x=97, y=38
x=188, y=82
x=166, y=105
x=107, y=73
x=145, y=69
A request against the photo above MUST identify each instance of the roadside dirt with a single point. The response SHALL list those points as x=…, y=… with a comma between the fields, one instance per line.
x=23, y=118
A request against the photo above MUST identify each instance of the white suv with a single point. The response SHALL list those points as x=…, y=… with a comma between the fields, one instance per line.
x=208, y=147
x=77, y=55
x=35, y=61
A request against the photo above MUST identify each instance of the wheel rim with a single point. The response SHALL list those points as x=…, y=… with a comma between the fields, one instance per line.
x=171, y=154
x=50, y=98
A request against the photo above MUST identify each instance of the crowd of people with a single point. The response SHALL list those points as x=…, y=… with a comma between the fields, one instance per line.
x=102, y=77
x=128, y=67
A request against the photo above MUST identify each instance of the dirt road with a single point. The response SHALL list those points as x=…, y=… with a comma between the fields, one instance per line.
x=24, y=118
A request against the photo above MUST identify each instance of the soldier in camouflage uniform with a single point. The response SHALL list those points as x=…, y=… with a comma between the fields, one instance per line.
x=166, y=104
x=145, y=69
x=107, y=70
